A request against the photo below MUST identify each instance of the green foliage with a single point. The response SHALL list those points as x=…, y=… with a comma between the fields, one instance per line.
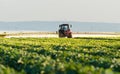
x=60, y=55
x=7, y=70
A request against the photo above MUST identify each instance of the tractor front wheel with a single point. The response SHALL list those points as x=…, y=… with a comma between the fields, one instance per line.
x=61, y=35
x=69, y=36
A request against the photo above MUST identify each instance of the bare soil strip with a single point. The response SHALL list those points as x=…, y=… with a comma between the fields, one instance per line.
x=55, y=34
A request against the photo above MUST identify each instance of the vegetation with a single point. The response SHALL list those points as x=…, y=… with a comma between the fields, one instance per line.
x=59, y=56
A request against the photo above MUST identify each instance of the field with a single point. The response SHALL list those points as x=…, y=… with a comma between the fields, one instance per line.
x=83, y=55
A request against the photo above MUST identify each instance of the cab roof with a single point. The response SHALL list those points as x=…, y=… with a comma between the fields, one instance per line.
x=64, y=25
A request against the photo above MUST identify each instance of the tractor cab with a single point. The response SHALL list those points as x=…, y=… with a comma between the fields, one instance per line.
x=64, y=27
x=64, y=30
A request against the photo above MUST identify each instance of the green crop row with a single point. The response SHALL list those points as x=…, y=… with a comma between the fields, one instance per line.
x=7, y=70
x=60, y=55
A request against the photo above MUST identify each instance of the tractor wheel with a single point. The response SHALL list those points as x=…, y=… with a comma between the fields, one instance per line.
x=61, y=35
x=69, y=36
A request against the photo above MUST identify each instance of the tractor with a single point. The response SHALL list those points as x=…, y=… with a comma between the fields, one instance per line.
x=64, y=31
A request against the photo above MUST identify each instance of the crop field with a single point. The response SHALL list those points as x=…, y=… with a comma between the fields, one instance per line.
x=83, y=55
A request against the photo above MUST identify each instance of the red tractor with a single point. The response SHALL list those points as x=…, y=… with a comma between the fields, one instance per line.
x=64, y=31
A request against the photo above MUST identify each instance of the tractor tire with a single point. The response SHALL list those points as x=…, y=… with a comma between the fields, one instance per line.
x=61, y=35
x=69, y=36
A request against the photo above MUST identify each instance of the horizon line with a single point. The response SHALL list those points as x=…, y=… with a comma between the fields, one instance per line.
x=63, y=21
